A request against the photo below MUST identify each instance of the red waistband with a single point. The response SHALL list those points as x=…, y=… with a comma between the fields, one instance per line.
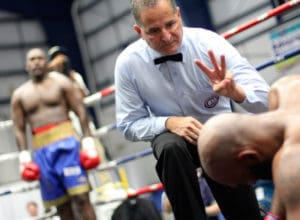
x=46, y=127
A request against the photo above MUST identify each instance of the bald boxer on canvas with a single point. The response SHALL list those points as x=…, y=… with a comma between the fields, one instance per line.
x=44, y=102
x=238, y=149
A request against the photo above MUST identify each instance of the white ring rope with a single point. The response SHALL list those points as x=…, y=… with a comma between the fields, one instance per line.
x=20, y=189
x=9, y=156
x=6, y=124
x=104, y=130
x=96, y=97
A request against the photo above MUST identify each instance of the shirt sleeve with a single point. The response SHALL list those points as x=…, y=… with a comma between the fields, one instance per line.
x=245, y=75
x=255, y=87
x=133, y=116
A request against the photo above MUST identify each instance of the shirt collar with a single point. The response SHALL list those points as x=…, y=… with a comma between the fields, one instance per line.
x=154, y=54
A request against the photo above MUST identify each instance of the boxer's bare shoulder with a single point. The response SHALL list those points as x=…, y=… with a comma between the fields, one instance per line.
x=284, y=92
x=21, y=91
x=283, y=81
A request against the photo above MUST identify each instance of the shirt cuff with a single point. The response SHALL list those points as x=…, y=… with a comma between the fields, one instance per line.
x=161, y=125
x=250, y=97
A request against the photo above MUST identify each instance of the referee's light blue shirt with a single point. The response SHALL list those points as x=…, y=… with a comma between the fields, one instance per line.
x=147, y=94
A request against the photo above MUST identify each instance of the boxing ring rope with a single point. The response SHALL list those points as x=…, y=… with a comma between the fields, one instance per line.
x=114, y=163
x=96, y=97
x=133, y=193
x=279, y=59
x=9, y=156
x=6, y=124
x=30, y=186
x=276, y=11
x=148, y=189
x=100, y=132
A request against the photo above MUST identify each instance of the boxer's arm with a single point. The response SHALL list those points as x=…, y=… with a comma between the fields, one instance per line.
x=75, y=101
x=89, y=157
x=277, y=211
x=19, y=122
x=28, y=169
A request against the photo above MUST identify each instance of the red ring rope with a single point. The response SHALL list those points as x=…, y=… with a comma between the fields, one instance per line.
x=282, y=8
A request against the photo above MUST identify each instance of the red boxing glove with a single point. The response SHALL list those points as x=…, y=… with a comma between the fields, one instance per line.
x=28, y=169
x=271, y=216
x=89, y=157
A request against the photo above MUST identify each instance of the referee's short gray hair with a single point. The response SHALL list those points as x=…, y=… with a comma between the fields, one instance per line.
x=138, y=5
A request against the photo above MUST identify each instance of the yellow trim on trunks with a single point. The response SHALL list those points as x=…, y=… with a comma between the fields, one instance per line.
x=79, y=189
x=54, y=134
x=56, y=202
x=72, y=192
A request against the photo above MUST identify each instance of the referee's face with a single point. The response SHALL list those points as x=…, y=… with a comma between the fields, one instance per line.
x=161, y=28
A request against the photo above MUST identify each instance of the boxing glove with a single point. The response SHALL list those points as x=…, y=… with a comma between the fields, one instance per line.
x=271, y=216
x=28, y=169
x=89, y=157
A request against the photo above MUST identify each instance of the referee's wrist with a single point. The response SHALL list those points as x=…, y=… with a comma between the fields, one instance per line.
x=239, y=95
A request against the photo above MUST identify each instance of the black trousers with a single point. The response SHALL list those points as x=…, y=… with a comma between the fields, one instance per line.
x=177, y=161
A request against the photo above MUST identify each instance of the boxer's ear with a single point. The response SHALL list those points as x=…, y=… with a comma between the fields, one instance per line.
x=249, y=156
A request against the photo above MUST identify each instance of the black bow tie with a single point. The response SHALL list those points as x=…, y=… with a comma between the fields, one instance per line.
x=175, y=57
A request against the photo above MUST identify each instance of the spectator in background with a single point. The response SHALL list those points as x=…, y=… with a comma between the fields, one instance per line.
x=60, y=62
x=32, y=209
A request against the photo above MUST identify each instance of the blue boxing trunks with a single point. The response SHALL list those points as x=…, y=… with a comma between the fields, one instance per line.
x=57, y=155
